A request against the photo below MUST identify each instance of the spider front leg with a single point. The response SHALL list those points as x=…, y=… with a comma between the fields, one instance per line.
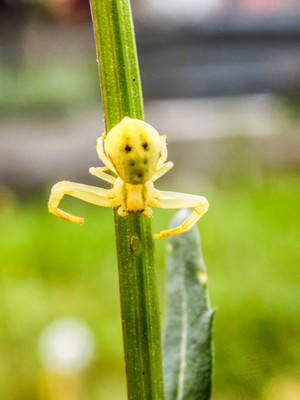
x=102, y=155
x=163, y=199
x=162, y=170
x=99, y=173
x=91, y=194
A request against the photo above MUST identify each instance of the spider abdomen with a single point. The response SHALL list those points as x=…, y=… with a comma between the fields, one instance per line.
x=134, y=148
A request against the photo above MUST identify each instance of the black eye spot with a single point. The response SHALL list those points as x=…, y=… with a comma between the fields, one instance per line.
x=127, y=148
x=145, y=146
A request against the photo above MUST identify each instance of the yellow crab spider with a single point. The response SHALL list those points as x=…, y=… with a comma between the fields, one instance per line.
x=136, y=155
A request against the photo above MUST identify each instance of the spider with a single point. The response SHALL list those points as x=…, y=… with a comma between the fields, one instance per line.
x=136, y=155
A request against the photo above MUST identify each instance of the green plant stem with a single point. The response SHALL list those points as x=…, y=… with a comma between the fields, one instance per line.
x=117, y=60
x=122, y=96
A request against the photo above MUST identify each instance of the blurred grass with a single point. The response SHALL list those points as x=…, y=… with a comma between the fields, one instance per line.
x=51, y=269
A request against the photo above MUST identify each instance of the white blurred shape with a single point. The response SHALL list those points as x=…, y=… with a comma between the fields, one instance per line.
x=186, y=9
x=66, y=346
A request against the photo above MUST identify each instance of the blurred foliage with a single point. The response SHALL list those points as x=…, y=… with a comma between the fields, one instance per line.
x=52, y=269
x=253, y=254
x=48, y=88
x=292, y=106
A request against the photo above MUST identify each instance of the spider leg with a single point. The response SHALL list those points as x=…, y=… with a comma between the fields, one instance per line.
x=102, y=155
x=98, y=196
x=161, y=170
x=164, y=151
x=99, y=172
x=163, y=199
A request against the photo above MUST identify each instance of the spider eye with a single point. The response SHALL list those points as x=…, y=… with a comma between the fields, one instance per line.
x=145, y=146
x=127, y=148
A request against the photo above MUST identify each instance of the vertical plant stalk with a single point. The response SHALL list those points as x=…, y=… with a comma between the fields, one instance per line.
x=122, y=96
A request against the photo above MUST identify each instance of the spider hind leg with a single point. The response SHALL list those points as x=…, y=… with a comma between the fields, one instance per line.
x=90, y=194
x=165, y=199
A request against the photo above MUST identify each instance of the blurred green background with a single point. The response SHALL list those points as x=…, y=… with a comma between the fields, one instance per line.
x=241, y=152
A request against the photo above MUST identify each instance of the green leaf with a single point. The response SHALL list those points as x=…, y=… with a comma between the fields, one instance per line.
x=187, y=341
